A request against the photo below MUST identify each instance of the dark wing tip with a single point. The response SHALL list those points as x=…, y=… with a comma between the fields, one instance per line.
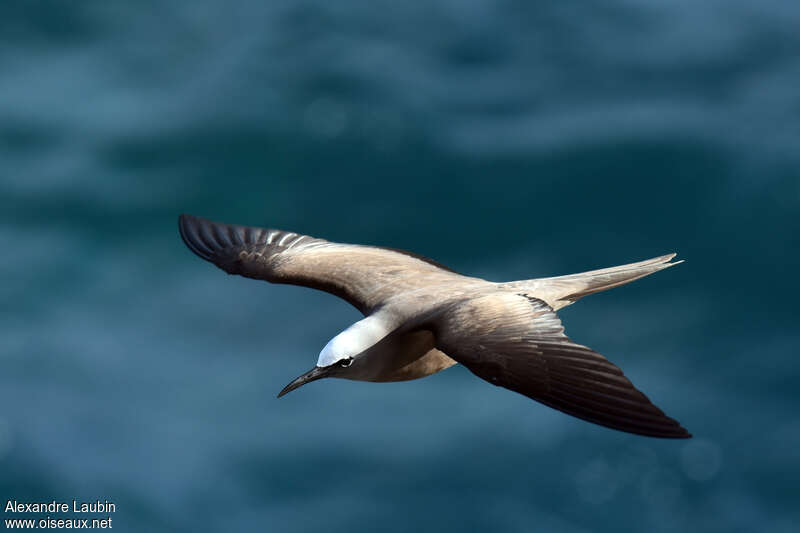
x=214, y=241
x=198, y=235
x=586, y=385
x=679, y=432
x=580, y=382
x=618, y=410
x=652, y=425
x=188, y=226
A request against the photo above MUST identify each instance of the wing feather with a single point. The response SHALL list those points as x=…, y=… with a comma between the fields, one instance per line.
x=517, y=342
x=364, y=276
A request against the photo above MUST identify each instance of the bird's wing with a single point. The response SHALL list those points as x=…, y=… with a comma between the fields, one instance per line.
x=517, y=342
x=362, y=275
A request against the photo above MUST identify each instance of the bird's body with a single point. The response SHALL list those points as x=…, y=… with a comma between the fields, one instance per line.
x=421, y=317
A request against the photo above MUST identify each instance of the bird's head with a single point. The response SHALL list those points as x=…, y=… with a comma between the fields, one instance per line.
x=341, y=358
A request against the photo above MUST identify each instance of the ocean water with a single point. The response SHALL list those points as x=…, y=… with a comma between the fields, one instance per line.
x=507, y=140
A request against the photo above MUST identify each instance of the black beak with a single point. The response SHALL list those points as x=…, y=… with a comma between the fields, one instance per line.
x=314, y=374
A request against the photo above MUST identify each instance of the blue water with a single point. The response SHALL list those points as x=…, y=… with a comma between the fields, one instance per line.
x=507, y=140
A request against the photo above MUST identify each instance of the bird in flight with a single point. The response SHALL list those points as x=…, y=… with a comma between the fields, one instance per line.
x=421, y=317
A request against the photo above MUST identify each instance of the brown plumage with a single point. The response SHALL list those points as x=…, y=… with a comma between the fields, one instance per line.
x=422, y=317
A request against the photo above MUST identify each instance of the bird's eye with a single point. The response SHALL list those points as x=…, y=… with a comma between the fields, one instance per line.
x=344, y=363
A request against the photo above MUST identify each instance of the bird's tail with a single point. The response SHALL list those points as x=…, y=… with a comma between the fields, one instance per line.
x=565, y=290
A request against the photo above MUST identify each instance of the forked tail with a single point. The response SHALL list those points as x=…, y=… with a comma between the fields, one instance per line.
x=561, y=291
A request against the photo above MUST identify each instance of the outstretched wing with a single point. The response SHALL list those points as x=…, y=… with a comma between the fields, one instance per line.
x=517, y=342
x=362, y=275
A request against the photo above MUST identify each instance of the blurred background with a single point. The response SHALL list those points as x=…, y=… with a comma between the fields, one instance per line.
x=506, y=140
